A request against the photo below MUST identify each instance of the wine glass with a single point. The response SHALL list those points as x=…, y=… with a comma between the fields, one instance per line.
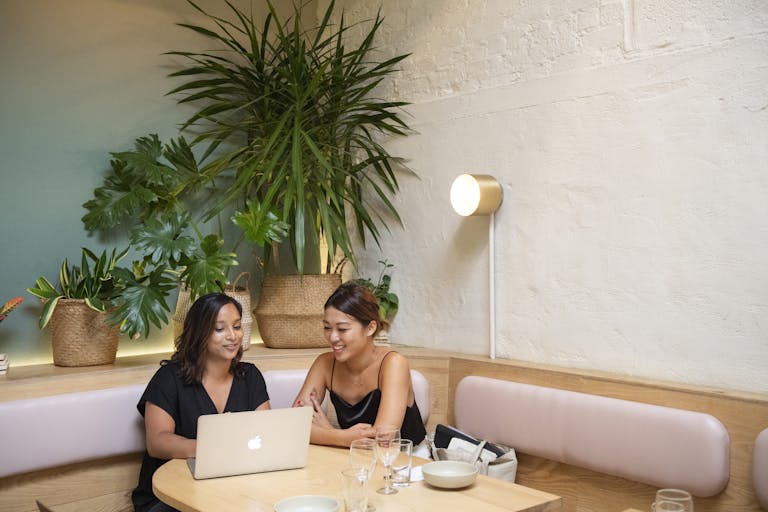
x=362, y=457
x=676, y=495
x=387, y=448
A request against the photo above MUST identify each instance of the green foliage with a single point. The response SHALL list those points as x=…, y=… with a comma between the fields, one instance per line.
x=260, y=226
x=207, y=272
x=141, y=300
x=291, y=116
x=133, y=299
x=150, y=179
x=151, y=191
x=388, y=300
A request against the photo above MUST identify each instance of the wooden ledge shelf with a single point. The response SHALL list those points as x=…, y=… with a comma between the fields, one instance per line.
x=46, y=379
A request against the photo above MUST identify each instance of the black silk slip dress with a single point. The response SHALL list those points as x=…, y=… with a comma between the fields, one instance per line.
x=367, y=408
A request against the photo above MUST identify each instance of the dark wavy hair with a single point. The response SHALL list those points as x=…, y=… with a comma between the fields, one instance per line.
x=192, y=344
x=358, y=302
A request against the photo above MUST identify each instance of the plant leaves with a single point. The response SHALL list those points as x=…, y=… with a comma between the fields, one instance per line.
x=299, y=110
x=209, y=273
x=163, y=239
x=260, y=226
x=142, y=302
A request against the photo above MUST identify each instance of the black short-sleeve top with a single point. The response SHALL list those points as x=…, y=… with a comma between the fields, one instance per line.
x=185, y=403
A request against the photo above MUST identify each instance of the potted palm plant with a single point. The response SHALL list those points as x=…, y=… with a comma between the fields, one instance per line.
x=291, y=114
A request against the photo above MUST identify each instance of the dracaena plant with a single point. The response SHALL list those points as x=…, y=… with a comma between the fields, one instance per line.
x=134, y=297
x=291, y=115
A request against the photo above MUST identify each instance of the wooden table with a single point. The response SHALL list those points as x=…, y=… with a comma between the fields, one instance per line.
x=173, y=484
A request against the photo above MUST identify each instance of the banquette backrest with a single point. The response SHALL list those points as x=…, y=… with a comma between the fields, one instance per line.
x=50, y=431
x=658, y=446
x=38, y=433
x=760, y=469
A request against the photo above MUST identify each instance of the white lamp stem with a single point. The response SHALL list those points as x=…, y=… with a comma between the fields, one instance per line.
x=491, y=288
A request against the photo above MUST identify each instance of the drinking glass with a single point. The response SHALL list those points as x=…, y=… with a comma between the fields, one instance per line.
x=676, y=495
x=401, y=466
x=362, y=455
x=667, y=506
x=387, y=448
x=355, y=481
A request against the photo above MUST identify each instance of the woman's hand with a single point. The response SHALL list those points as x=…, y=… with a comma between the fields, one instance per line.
x=361, y=430
x=318, y=417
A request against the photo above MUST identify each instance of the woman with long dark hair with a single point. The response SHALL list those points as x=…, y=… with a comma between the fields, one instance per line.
x=203, y=376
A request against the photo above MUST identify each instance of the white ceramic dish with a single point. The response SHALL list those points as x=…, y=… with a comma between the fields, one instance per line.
x=307, y=503
x=449, y=474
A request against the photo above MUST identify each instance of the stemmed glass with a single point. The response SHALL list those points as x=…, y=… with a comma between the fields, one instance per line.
x=387, y=449
x=362, y=457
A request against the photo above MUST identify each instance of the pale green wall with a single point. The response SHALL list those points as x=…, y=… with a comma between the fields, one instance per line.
x=78, y=79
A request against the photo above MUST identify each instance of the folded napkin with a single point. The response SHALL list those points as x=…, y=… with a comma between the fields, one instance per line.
x=470, y=449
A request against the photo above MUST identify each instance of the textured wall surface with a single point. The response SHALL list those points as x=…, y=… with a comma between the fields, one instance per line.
x=631, y=139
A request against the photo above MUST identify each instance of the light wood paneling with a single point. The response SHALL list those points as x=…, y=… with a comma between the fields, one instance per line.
x=72, y=483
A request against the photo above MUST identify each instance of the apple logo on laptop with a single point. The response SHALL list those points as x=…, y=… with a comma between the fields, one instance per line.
x=254, y=443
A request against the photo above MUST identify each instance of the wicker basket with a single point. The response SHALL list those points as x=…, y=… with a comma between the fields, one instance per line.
x=290, y=310
x=240, y=293
x=80, y=336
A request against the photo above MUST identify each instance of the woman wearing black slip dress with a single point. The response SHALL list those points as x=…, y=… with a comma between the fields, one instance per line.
x=369, y=385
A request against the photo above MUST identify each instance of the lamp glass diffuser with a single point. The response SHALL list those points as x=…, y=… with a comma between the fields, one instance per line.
x=475, y=194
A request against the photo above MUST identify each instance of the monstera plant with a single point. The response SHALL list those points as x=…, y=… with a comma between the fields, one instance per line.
x=150, y=192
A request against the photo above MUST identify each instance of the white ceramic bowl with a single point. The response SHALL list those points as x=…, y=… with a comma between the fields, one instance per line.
x=449, y=474
x=307, y=503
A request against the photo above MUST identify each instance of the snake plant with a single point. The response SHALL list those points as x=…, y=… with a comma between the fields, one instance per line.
x=135, y=299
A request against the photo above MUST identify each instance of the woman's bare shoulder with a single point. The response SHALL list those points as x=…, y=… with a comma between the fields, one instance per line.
x=395, y=361
x=323, y=362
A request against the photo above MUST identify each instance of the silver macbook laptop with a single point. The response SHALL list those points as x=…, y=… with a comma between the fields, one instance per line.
x=238, y=443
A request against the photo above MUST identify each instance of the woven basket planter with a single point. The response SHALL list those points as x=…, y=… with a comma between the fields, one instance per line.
x=80, y=336
x=240, y=293
x=290, y=310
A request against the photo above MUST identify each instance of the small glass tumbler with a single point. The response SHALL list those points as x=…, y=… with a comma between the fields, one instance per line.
x=667, y=506
x=401, y=467
x=677, y=496
x=355, y=489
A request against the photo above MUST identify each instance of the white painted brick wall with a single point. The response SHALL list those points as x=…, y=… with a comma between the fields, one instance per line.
x=631, y=138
